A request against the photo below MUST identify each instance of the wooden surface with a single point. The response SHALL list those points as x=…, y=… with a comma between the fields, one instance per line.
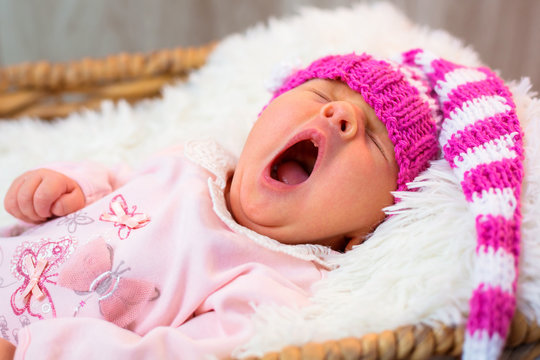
x=506, y=33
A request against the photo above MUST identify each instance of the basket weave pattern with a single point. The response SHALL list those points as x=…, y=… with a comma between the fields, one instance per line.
x=413, y=342
x=47, y=91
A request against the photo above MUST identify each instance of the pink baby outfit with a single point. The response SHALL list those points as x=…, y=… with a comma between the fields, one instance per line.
x=155, y=267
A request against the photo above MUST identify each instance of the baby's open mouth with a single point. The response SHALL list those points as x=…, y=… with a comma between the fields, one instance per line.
x=295, y=164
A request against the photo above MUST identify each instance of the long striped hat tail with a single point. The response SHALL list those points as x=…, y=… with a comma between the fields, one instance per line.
x=481, y=138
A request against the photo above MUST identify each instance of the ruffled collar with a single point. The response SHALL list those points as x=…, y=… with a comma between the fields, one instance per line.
x=219, y=162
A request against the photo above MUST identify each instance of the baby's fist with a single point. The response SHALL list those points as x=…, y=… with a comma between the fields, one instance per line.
x=7, y=350
x=40, y=194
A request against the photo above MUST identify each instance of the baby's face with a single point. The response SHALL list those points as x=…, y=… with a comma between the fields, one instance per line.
x=317, y=167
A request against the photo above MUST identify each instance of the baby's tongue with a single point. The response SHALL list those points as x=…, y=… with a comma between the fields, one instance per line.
x=292, y=173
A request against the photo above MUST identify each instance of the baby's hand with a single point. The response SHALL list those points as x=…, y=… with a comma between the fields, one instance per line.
x=40, y=194
x=7, y=350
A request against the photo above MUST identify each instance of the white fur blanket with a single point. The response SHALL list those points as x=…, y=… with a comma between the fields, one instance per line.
x=417, y=266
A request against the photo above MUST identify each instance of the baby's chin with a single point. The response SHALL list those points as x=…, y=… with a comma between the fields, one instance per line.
x=285, y=234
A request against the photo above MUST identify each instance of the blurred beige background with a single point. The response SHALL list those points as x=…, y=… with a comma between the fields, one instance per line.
x=506, y=33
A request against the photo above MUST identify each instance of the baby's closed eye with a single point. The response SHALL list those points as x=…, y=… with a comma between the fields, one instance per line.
x=321, y=95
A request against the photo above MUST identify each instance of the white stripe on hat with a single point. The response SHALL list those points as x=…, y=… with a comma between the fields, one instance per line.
x=472, y=111
x=455, y=78
x=492, y=150
x=482, y=347
x=494, y=201
x=424, y=60
x=488, y=259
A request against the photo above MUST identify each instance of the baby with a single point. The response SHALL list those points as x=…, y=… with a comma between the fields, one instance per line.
x=170, y=261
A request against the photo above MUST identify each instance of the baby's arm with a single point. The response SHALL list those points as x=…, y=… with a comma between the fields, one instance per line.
x=40, y=194
x=56, y=189
x=61, y=188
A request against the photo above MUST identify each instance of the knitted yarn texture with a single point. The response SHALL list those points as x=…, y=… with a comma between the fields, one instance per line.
x=482, y=140
x=407, y=115
x=480, y=137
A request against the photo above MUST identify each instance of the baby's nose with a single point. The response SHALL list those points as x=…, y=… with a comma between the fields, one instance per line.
x=342, y=117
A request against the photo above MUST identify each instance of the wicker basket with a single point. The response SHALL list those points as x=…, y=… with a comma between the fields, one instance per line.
x=49, y=91
x=414, y=342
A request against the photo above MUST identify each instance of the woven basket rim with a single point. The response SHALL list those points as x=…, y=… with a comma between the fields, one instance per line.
x=90, y=70
x=415, y=341
x=49, y=90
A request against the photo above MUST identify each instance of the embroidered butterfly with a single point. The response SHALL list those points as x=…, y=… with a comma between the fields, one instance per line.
x=73, y=220
x=123, y=218
x=90, y=270
x=36, y=264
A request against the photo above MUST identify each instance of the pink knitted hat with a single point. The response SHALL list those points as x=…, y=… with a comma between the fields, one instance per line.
x=404, y=108
x=479, y=135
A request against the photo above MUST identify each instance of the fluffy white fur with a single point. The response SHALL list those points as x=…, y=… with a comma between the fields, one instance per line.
x=417, y=266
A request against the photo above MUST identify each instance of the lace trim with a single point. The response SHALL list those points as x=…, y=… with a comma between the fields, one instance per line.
x=214, y=158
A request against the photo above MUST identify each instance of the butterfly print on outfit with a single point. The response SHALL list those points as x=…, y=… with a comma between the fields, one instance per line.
x=36, y=264
x=124, y=218
x=71, y=221
x=90, y=270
